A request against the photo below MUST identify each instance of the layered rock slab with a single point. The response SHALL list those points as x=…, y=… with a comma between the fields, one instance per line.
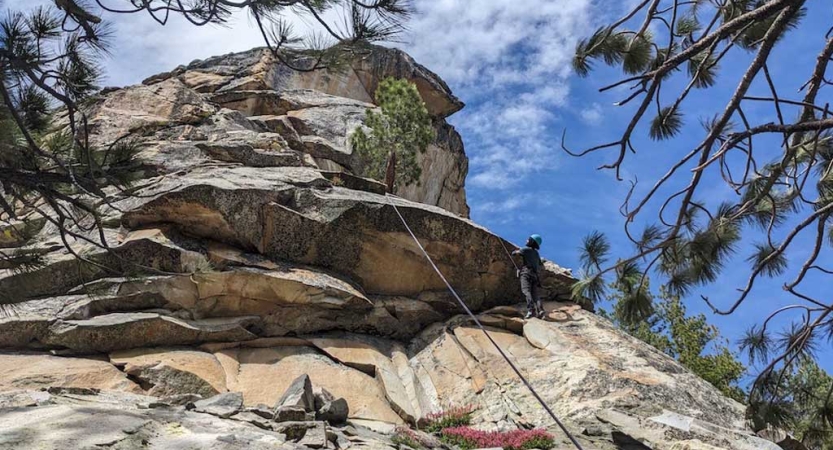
x=591, y=374
x=35, y=371
x=129, y=330
x=354, y=233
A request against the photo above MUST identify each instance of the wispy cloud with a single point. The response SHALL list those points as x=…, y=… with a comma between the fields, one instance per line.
x=504, y=206
x=497, y=40
x=592, y=115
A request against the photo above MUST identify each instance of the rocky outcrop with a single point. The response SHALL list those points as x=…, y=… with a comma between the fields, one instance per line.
x=37, y=419
x=610, y=388
x=315, y=112
x=298, y=395
x=254, y=290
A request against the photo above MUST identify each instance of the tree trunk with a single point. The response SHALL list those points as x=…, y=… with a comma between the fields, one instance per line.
x=390, y=172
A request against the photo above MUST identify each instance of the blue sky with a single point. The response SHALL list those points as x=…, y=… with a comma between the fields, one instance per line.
x=510, y=62
x=521, y=99
x=565, y=198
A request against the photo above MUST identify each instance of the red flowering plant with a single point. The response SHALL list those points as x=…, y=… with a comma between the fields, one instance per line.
x=450, y=418
x=467, y=438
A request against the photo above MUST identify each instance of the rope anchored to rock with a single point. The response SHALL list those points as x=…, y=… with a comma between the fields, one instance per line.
x=482, y=328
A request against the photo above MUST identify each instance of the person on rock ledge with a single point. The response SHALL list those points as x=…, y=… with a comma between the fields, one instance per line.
x=530, y=276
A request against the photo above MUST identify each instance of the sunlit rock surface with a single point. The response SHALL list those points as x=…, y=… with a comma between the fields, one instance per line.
x=248, y=256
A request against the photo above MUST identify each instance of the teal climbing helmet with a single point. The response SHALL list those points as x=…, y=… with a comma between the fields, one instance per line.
x=537, y=239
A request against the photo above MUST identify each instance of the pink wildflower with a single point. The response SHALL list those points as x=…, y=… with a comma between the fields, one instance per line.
x=467, y=438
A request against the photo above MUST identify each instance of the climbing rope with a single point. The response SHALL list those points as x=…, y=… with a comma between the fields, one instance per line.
x=509, y=255
x=482, y=328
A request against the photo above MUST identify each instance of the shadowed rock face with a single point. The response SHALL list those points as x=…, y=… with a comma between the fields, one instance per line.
x=250, y=257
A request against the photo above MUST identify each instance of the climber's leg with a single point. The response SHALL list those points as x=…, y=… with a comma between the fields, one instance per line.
x=536, y=296
x=529, y=288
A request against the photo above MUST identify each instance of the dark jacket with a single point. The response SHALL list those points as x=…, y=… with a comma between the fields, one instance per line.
x=532, y=260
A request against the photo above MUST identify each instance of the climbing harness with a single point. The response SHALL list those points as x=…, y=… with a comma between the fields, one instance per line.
x=483, y=329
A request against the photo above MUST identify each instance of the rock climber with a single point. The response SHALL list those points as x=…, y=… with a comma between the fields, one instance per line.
x=529, y=275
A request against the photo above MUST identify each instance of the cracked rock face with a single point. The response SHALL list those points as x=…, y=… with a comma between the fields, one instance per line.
x=314, y=112
x=250, y=257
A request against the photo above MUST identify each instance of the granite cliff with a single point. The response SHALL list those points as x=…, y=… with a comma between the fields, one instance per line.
x=248, y=255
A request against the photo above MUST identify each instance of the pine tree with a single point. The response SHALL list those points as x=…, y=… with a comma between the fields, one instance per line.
x=688, y=339
x=397, y=134
x=798, y=399
x=779, y=162
x=810, y=389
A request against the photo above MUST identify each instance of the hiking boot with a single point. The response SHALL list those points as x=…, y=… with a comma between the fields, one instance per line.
x=539, y=311
x=529, y=315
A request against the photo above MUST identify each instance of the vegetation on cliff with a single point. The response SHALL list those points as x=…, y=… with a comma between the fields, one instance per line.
x=401, y=131
x=782, y=215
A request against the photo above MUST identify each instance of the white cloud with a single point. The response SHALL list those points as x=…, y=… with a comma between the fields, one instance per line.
x=592, y=114
x=555, y=95
x=475, y=43
x=503, y=207
x=511, y=62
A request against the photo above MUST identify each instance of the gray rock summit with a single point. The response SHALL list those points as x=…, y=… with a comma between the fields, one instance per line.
x=315, y=112
x=261, y=293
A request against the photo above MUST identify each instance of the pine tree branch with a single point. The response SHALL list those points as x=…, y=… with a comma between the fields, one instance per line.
x=826, y=210
x=773, y=34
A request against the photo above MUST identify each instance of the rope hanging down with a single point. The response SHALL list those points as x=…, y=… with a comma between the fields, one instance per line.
x=476, y=321
x=508, y=255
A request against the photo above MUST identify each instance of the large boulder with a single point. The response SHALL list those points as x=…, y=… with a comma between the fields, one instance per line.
x=292, y=214
x=298, y=394
x=330, y=409
x=170, y=372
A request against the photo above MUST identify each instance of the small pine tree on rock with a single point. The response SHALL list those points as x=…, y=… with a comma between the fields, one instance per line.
x=387, y=148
